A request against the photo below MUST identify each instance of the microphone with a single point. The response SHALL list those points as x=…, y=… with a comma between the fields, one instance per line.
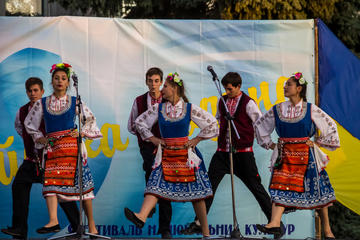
x=74, y=78
x=211, y=70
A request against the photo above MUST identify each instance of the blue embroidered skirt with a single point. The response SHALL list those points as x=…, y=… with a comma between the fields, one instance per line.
x=179, y=192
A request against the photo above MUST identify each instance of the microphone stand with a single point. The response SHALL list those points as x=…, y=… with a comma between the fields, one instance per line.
x=235, y=233
x=80, y=232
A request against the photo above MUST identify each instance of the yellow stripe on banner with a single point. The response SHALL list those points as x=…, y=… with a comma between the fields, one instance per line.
x=344, y=170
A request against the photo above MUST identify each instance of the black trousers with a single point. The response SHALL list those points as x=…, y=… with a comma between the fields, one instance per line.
x=165, y=210
x=244, y=168
x=24, y=178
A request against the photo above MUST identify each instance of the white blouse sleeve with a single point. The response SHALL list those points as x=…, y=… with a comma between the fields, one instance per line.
x=328, y=137
x=205, y=121
x=264, y=126
x=89, y=128
x=133, y=115
x=18, y=126
x=32, y=122
x=253, y=111
x=146, y=120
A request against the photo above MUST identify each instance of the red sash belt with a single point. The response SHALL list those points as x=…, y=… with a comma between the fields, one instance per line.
x=174, y=159
x=290, y=172
x=61, y=162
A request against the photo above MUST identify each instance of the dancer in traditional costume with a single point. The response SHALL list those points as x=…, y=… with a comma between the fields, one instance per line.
x=61, y=171
x=179, y=172
x=299, y=180
x=154, y=80
x=29, y=172
x=245, y=113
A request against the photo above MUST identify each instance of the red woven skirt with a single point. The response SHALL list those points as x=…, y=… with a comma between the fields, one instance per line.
x=174, y=159
x=294, y=154
x=61, y=162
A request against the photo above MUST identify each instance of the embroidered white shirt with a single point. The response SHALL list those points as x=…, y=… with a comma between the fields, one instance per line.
x=33, y=119
x=328, y=137
x=18, y=126
x=135, y=113
x=203, y=119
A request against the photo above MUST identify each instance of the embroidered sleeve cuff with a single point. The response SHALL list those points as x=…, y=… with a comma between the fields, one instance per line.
x=37, y=136
x=92, y=134
x=209, y=132
x=145, y=134
x=328, y=143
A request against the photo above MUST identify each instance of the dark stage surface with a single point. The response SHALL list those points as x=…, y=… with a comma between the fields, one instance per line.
x=173, y=238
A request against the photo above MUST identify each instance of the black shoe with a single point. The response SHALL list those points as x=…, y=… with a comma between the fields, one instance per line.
x=152, y=212
x=193, y=228
x=15, y=232
x=273, y=230
x=282, y=231
x=166, y=235
x=44, y=230
x=94, y=237
x=130, y=215
x=329, y=238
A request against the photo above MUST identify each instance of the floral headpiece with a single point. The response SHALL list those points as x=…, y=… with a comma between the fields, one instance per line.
x=299, y=76
x=63, y=66
x=175, y=78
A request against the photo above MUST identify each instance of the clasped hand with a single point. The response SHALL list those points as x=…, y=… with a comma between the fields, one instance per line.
x=189, y=144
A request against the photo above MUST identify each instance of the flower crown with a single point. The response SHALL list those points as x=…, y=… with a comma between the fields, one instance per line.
x=63, y=66
x=175, y=78
x=299, y=76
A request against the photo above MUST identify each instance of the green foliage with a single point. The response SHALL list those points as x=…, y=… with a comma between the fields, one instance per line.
x=278, y=9
x=171, y=9
x=346, y=24
x=99, y=8
x=344, y=223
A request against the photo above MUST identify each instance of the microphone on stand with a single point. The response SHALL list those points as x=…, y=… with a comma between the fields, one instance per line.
x=74, y=78
x=213, y=73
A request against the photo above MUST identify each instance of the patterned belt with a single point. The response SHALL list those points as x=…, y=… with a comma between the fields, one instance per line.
x=53, y=137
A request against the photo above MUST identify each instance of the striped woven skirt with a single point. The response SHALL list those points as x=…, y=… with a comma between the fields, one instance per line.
x=61, y=170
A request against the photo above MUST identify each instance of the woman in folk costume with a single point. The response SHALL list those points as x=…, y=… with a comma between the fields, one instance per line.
x=299, y=180
x=61, y=172
x=179, y=172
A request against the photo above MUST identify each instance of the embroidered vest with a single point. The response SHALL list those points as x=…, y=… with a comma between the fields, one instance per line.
x=59, y=121
x=242, y=123
x=141, y=102
x=28, y=141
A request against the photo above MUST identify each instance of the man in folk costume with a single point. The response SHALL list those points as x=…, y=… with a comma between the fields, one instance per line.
x=154, y=80
x=245, y=113
x=29, y=171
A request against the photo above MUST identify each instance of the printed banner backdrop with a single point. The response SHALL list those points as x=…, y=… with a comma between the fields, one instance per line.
x=110, y=57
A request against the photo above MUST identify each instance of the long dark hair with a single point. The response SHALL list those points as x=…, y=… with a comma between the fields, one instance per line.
x=180, y=88
x=303, y=88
